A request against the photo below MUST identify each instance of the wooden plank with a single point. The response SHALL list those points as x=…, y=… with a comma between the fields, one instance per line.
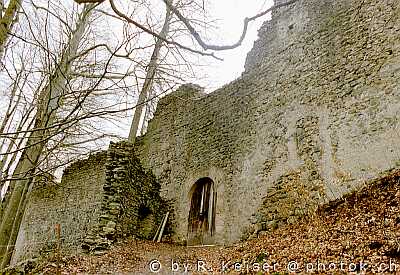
x=158, y=229
x=163, y=227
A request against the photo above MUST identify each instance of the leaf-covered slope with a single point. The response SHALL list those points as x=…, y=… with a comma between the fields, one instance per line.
x=360, y=232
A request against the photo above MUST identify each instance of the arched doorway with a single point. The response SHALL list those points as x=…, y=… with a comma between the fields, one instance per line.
x=201, y=221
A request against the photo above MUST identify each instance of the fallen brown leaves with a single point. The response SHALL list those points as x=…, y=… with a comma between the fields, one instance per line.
x=358, y=234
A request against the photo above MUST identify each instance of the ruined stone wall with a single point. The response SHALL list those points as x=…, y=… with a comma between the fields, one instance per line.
x=131, y=204
x=74, y=204
x=315, y=113
x=102, y=198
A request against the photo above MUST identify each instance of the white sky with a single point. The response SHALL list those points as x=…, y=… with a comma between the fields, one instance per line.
x=231, y=14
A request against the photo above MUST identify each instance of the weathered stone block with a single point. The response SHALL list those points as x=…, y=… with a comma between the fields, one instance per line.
x=315, y=90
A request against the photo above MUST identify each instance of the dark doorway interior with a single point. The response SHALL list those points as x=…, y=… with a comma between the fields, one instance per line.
x=201, y=223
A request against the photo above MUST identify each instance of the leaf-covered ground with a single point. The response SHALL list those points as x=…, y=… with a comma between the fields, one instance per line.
x=358, y=234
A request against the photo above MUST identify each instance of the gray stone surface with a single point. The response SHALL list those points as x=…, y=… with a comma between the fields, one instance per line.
x=131, y=204
x=99, y=199
x=315, y=113
x=74, y=204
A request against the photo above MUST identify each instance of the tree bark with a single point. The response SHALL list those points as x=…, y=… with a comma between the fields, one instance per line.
x=148, y=83
x=50, y=98
x=6, y=22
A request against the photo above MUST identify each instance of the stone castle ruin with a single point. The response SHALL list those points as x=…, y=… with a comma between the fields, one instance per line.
x=315, y=114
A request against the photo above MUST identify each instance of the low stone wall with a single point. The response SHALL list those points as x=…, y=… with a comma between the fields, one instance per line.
x=74, y=203
x=102, y=198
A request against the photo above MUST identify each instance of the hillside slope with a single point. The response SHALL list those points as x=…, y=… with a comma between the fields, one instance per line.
x=359, y=233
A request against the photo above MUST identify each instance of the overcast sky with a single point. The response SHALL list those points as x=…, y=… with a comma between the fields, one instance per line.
x=231, y=14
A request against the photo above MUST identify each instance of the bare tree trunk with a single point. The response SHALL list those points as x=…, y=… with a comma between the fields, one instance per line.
x=50, y=98
x=146, y=114
x=4, y=171
x=148, y=83
x=7, y=20
x=1, y=8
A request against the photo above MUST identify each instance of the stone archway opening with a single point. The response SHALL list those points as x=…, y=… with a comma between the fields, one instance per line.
x=201, y=221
